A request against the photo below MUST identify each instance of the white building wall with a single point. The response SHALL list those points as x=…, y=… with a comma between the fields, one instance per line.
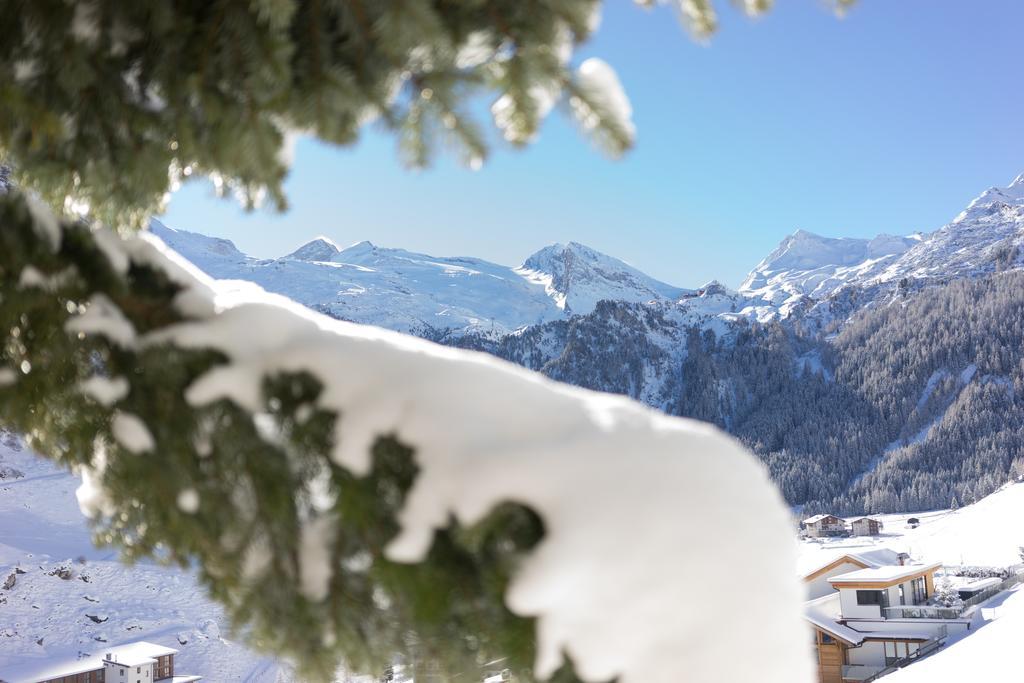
x=894, y=595
x=851, y=610
x=132, y=674
x=868, y=654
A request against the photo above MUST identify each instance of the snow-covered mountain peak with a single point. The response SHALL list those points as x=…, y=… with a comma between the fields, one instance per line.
x=576, y=277
x=546, y=258
x=197, y=248
x=806, y=264
x=714, y=288
x=359, y=248
x=995, y=200
x=320, y=249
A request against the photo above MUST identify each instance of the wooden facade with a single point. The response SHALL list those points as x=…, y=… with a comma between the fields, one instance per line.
x=831, y=656
x=833, y=652
x=86, y=677
x=164, y=667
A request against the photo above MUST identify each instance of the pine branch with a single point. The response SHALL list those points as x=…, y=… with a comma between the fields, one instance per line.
x=103, y=100
x=218, y=491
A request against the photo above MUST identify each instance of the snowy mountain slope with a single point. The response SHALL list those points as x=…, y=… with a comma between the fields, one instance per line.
x=413, y=292
x=102, y=602
x=833, y=277
x=805, y=264
x=986, y=236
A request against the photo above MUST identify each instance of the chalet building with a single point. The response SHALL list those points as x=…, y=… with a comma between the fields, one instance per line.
x=818, y=581
x=866, y=526
x=820, y=526
x=139, y=662
x=875, y=619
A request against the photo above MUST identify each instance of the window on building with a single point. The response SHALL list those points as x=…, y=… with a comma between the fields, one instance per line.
x=826, y=638
x=891, y=654
x=903, y=597
x=880, y=598
x=919, y=589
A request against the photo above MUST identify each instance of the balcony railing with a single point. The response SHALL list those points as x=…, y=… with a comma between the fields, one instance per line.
x=861, y=672
x=865, y=676
x=921, y=612
x=984, y=595
x=938, y=612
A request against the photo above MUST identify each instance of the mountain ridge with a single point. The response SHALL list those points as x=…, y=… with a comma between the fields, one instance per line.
x=414, y=292
x=807, y=276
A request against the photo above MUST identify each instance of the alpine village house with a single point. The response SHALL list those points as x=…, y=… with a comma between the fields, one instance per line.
x=823, y=526
x=139, y=662
x=869, y=614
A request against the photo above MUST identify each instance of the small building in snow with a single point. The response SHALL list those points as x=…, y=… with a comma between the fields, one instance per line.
x=139, y=662
x=913, y=523
x=866, y=526
x=820, y=526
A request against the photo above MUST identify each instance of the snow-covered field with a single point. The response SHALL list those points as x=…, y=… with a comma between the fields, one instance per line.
x=45, y=616
x=988, y=653
x=985, y=533
x=102, y=602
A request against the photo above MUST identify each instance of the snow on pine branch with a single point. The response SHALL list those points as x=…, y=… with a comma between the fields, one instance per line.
x=664, y=543
x=600, y=106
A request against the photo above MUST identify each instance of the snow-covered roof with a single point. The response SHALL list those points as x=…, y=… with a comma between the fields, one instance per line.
x=836, y=630
x=817, y=518
x=974, y=584
x=822, y=612
x=897, y=635
x=883, y=574
x=135, y=654
x=880, y=557
x=131, y=660
x=865, y=519
x=131, y=654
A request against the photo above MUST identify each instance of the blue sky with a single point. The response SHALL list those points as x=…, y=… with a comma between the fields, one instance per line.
x=889, y=120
